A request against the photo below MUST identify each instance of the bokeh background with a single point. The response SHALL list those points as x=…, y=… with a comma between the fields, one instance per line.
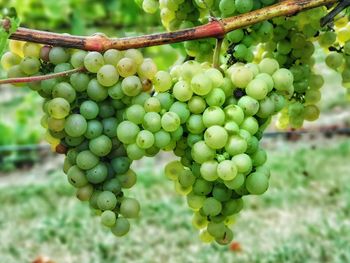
x=304, y=216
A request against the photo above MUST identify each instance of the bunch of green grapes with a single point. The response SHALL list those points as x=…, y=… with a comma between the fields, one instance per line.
x=222, y=118
x=180, y=14
x=83, y=112
x=337, y=46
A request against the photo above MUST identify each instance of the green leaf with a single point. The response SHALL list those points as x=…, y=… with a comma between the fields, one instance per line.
x=5, y=33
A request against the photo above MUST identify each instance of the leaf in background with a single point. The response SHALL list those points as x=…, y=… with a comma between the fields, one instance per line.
x=12, y=23
x=78, y=24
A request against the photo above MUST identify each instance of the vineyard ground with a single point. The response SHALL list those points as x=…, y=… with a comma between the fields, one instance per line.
x=304, y=216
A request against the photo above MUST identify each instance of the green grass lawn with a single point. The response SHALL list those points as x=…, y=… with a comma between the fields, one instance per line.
x=304, y=217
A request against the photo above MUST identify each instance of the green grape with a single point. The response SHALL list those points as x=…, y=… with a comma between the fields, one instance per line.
x=108, y=218
x=95, y=91
x=227, y=170
x=236, y=145
x=126, y=67
x=213, y=116
x=162, y=81
x=100, y=145
x=131, y=86
x=97, y=174
x=30, y=66
x=216, y=230
x=9, y=60
x=195, y=201
x=75, y=125
x=266, y=108
x=86, y=160
x=201, y=152
x=211, y=207
x=199, y=221
x=201, y=84
x=227, y=7
x=148, y=69
x=112, y=56
x=84, y=193
x=112, y=185
x=311, y=112
x=257, y=89
x=312, y=96
x=128, y=179
x=236, y=183
x=234, y=113
x=249, y=105
x=79, y=81
x=241, y=51
x=110, y=126
x=216, y=97
x=173, y=169
x=334, y=60
x=182, y=91
x=283, y=79
x=215, y=137
x=166, y=100
x=76, y=177
x=152, y=104
x=106, y=200
x=121, y=164
x=170, y=121
x=134, y=152
x=259, y=157
x=15, y=72
x=197, y=105
x=161, y=139
x=58, y=55
x=251, y=125
x=64, y=90
x=186, y=179
x=151, y=122
x=231, y=127
x=244, y=6
x=181, y=109
x=241, y=76
x=93, y=61
x=77, y=59
x=129, y=208
x=121, y=227
x=222, y=193
x=257, y=183
x=56, y=125
x=243, y=163
x=135, y=113
x=269, y=66
x=107, y=75
x=202, y=187
x=89, y=109
x=94, y=129
x=145, y=139
x=106, y=110
x=195, y=124
x=208, y=170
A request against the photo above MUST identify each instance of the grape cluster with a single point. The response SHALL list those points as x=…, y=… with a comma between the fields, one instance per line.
x=180, y=14
x=337, y=47
x=222, y=118
x=82, y=112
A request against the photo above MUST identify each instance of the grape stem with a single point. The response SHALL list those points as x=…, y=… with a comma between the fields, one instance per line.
x=339, y=8
x=216, y=56
x=41, y=77
x=216, y=29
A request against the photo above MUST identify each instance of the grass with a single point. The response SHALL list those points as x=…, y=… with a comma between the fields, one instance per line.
x=304, y=217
